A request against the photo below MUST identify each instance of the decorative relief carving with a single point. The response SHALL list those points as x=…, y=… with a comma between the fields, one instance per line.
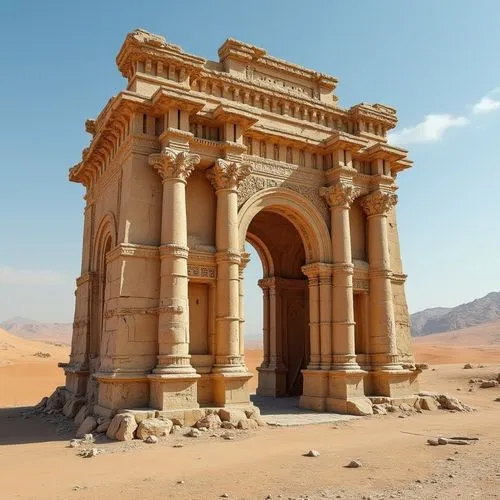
x=170, y=309
x=378, y=202
x=227, y=174
x=360, y=284
x=340, y=194
x=172, y=164
x=254, y=183
x=202, y=272
x=129, y=311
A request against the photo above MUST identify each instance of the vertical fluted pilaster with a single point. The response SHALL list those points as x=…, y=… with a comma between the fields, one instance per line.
x=225, y=177
x=173, y=324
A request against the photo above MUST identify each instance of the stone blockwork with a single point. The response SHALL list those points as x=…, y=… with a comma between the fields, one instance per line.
x=191, y=160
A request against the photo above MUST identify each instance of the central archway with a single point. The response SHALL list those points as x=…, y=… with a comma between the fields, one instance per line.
x=287, y=232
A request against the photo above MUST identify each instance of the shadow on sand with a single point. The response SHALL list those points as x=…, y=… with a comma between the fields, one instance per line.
x=16, y=428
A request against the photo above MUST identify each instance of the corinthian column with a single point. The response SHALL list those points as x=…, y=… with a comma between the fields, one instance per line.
x=225, y=177
x=382, y=324
x=340, y=197
x=173, y=323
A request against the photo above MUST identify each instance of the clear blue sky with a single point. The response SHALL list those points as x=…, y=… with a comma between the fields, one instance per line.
x=436, y=62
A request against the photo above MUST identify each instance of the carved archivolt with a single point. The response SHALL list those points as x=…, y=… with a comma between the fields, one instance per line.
x=254, y=183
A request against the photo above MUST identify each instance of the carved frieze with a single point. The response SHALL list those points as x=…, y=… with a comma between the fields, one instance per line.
x=255, y=183
x=209, y=272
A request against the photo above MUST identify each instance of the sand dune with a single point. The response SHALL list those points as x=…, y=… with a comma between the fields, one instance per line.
x=26, y=373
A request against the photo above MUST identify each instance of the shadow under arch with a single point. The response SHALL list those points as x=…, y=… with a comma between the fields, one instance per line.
x=299, y=211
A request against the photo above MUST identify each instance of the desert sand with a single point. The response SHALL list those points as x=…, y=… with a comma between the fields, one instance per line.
x=37, y=464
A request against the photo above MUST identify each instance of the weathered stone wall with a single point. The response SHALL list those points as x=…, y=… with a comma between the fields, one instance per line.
x=402, y=319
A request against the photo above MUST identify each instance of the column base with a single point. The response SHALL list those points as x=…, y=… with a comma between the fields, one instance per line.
x=231, y=388
x=346, y=392
x=314, y=390
x=76, y=378
x=272, y=381
x=394, y=383
x=169, y=391
x=117, y=390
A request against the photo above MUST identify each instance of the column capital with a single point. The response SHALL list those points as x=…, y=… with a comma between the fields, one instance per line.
x=228, y=174
x=341, y=194
x=172, y=164
x=378, y=202
x=317, y=269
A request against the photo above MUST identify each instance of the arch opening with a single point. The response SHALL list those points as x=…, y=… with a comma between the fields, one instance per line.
x=285, y=316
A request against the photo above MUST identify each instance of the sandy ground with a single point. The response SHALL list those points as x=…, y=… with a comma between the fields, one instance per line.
x=397, y=463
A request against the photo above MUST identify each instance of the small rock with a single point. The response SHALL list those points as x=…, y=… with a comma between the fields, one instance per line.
x=75, y=443
x=227, y=436
x=354, y=464
x=497, y=399
x=468, y=366
x=151, y=440
x=379, y=410
x=89, y=453
x=442, y=440
x=312, y=453
x=224, y=495
x=433, y=442
x=194, y=433
x=248, y=424
x=178, y=445
x=232, y=415
x=486, y=384
x=227, y=425
x=180, y=482
x=122, y=427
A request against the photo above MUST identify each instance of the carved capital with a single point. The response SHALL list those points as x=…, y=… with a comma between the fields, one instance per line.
x=228, y=174
x=378, y=202
x=173, y=164
x=340, y=194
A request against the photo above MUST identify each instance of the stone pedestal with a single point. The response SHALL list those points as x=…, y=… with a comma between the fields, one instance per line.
x=173, y=391
x=315, y=390
x=346, y=392
x=272, y=381
x=122, y=390
x=231, y=388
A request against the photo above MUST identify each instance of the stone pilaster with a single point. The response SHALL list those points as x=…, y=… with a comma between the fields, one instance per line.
x=173, y=383
x=340, y=197
x=382, y=325
x=346, y=379
x=389, y=379
x=230, y=386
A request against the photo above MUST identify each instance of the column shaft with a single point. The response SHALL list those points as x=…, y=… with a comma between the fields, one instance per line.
x=314, y=332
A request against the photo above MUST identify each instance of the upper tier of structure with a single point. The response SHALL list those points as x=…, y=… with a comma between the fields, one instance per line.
x=264, y=96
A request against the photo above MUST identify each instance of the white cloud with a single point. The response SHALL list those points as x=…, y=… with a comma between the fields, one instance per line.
x=431, y=129
x=11, y=276
x=487, y=103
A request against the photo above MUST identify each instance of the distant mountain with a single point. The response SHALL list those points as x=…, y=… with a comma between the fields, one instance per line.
x=443, y=319
x=35, y=330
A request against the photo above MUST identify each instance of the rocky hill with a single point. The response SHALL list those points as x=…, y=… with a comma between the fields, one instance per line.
x=34, y=330
x=443, y=319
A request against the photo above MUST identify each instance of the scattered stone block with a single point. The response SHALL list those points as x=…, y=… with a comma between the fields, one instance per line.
x=210, y=421
x=86, y=427
x=82, y=414
x=194, y=433
x=232, y=415
x=122, y=427
x=153, y=427
x=433, y=442
x=428, y=403
x=151, y=440
x=360, y=407
x=450, y=403
x=379, y=410
x=248, y=424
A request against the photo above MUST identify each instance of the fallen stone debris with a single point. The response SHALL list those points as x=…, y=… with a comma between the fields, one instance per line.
x=458, y=440
x=354, y=464
x=312, y=453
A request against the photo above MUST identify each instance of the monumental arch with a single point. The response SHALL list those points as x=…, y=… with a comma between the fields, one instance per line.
x=193, y=159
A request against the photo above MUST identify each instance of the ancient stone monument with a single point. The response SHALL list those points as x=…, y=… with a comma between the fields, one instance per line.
x=188, y=163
